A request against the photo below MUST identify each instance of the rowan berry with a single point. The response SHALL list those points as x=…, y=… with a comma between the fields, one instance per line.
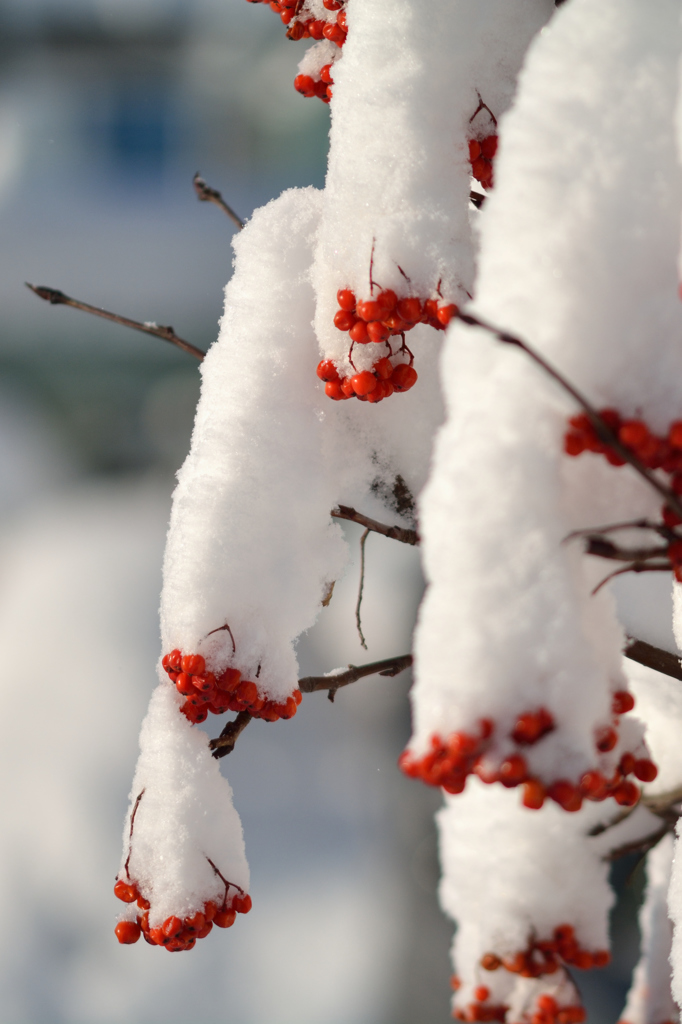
x=593, y=786
x=364, y=382
x=333, y=5
x=481, y=993
x=172, y=927
x=346, y=300
x=377, y=332
x=303, y=83
x=193, y=664
x=344, y=320
x=489, y=147
x=446, y=313
x=622, y=702
x=565, y=794
x=645, y=770
x=242, y=904
x=403, y=377
x=127, y=932
x=387, y=299
x=195, y=923
x=369, y=310
x=326, y=77
x=142, y=903
x=125, y=892
x=601, y=957
x=490, y=962
x=347, y=387
x=547, y=1003
x=605, y=739
x=409, y=310
x=513, y=770
x=359, y=333
x=229, y=680
x=383, y=368
x=533, y=794
x=333, y=390
x=626, y=794
x=327, y=371
x=675, y=434
x=474, y=149
x=316, y=29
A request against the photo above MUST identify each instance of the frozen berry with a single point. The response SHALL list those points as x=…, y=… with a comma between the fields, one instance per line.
x=127, y=932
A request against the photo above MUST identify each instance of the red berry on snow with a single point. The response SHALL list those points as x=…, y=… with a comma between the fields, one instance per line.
x=346, y=299
x=446, y=313
x=127, y=932
x=383, y=369
x=387, y=300
x=513, y=770
x=645, y=770
x=193, y=664
x=364, y=382
x=334, y=390
x=533, y=794
x=229, y=680
x=606, y=739
x=326, y=370
x=593, y=785
x=124, y=891
x=359, y=332
x=195, y=923
x=184, y=684
x=171, y=927
x=565, y=794
x=410, y=310
x=622, y=702
x=626, y=794
x=369, y=310
x=481, y=993
x=303, y=83
x=474, y=149
x=343, y=320
x=377, y=332
x=242, y=904
x=490, y=962
x=403, y=377
x=326, y=76
x=489, y=147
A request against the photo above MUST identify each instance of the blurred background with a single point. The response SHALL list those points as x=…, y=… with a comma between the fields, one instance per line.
x=107, y=109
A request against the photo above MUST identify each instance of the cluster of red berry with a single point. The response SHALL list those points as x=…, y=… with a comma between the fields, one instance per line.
x=547, y=956
x=204, y=692
x=449, y=762
x=377, y=320
x=481, y=1009
x=481, y=156
x=175, y=933
x=548, y=1011
x=663, y=453
x=382, y=381
x=321, y=87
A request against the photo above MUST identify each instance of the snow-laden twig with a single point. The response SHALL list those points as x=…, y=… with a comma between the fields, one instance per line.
x=206, y=194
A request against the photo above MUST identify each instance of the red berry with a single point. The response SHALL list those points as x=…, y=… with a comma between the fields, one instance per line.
x=566, y=795
x=225, y=918
x=627, y=764
x=347, y=387
x=513, y=770
x=333, y=5
x=446, y=313
x=481, y=993
x=303, y=83
x=184, y=684
x=195, y=923
x=622, y=702
x=343, y=320
x=247, y=692
x=645, y=770
x=378, y=394
x=229, y=680
x=334, y=390
x=242, y=904
x=481, y=169
x=346, y=300
x=124, y=891
x=383, y=369
x=326, y=370
x=626, y=794
x=364, y=382
x=403, y=377
x=369, y=310
x=474, y=149
x=409, y=310
x=669, y=517
x=193, y=664
x=387, y=300
x=489, y=147
x=490, y=962
x=533, y=794
x=171, y=927
x=127, y=932
x=316, y=28
x=605, y=739
x=675, y=434
x=359, y=332
x=601, y=957
x=377, y=332
x=593, y=785
x=326, y=76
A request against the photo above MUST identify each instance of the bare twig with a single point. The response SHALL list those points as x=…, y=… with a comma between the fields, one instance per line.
x=654, y=657
x=633, y=524
x=206, y=194
x=640, y=845
x=130, y=834
x=601, y=547
x=477, y=198
x=227, y=627
x=361, y=587
x=393, y=532
x=57, y=298
x=389, y=667
x=224, y=744
x=633, y=567
x=604, y=432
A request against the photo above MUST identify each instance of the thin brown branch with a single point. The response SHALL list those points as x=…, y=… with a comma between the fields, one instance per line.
x=601, y=547
x=654, y=657
x=477, y=198
x=632, y=524
x=640, y=845
x=130, y=833
x=604, y=432
x=633, y=567
x=389, y=667
x=361, y=587
x=224, y=744
x=393, y=532
x=206, y=194
x=57, y=298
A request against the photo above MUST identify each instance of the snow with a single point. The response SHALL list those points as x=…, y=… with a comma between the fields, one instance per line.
x=578, y=256
x=250, y=542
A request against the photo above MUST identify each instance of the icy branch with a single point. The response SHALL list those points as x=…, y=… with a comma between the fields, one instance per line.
x=389, y=667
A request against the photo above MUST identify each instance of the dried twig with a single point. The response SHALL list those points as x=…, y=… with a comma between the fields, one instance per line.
x=393, y=532
x=603, y=431
x=633, y=567
x=389, y=667
x=57, y=298
x=654, y=657
x=224, y=744
x=206, y=194
x=601, y=547
x=361, y=587
x=477, y=198
x=130, y=834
